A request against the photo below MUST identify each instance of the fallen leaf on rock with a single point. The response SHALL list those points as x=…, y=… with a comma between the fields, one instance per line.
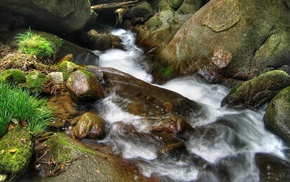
x=12, y=151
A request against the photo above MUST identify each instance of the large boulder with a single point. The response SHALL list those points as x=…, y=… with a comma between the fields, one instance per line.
x=143, y=98
x=61, y=158
x=277, y=116
x=63, y=16
x=229, y=41
x=259, y=90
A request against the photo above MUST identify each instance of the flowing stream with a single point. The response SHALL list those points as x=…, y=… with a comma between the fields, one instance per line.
x=231, y=149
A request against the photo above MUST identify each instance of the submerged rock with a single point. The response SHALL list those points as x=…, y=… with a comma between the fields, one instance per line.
x=258, y=91
x=277, y=116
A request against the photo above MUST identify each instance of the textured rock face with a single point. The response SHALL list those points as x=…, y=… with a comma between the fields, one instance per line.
x=244, y=33
x=258, y=91
x=91, y=126
x=272, y=168
x=277, y=116
x=64, y=16
x=84, y=87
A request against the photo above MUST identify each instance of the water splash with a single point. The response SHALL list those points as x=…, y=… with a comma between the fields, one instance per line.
x=131, y=60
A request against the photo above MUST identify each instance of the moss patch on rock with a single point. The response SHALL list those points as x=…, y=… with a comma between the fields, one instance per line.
x=31, y=43
x=82, y=163
x=15, y=151
x=36, y=81
x=12, y=75
x=277, y=116
x=67, y=67
x=259, y=90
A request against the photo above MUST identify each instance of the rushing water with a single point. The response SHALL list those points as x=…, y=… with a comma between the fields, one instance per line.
x=239, y=132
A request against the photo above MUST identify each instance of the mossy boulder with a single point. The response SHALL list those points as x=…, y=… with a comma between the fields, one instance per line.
x=259, y=90
x=67, y=67
x=82, y=163
x=139, y=13
x=36, y=81
x=15, y=151
x=83, y=86
x=175, y=3
x=277, y=116
x=13, y=75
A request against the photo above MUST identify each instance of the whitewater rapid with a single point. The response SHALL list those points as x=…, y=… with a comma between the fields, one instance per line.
x=239, y=132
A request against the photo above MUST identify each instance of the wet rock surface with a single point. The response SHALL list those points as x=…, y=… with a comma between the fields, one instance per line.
x=84, y=87
x=258, y=91
x=272, y=168
x=277, y=116
x=90, y=126
x=63, y=159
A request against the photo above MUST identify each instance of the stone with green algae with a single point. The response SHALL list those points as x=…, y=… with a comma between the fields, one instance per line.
x=67, y=67
x=16, y=149
x=259, y=90
x=83, y=163
x=277, y=115
x=12, y=75
x=36, y=81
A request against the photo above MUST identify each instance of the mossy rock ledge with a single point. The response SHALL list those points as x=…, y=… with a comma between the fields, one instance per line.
x=258, y=91
x=277, y=116
x=84, y=164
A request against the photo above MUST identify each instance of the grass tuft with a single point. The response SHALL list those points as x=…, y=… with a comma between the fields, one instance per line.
x=19, y=104
x=30, y=43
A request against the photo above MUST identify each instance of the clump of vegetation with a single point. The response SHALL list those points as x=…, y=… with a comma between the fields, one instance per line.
x=30, y=43
x=16, y=151
x=12, y=76
x=28, y=110
x=36, y=81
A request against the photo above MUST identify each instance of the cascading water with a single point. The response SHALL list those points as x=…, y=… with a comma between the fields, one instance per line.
x=229, y=142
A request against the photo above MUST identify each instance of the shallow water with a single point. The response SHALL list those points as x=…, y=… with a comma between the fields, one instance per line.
x=238, y=132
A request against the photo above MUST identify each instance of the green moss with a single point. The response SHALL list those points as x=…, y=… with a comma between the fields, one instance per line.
x=12, y=75
x=36, y=81
x=15, y=151
x=65, y=148
x=277, y=115
x=31, y=43
x=67, y=67
x=163, y=70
